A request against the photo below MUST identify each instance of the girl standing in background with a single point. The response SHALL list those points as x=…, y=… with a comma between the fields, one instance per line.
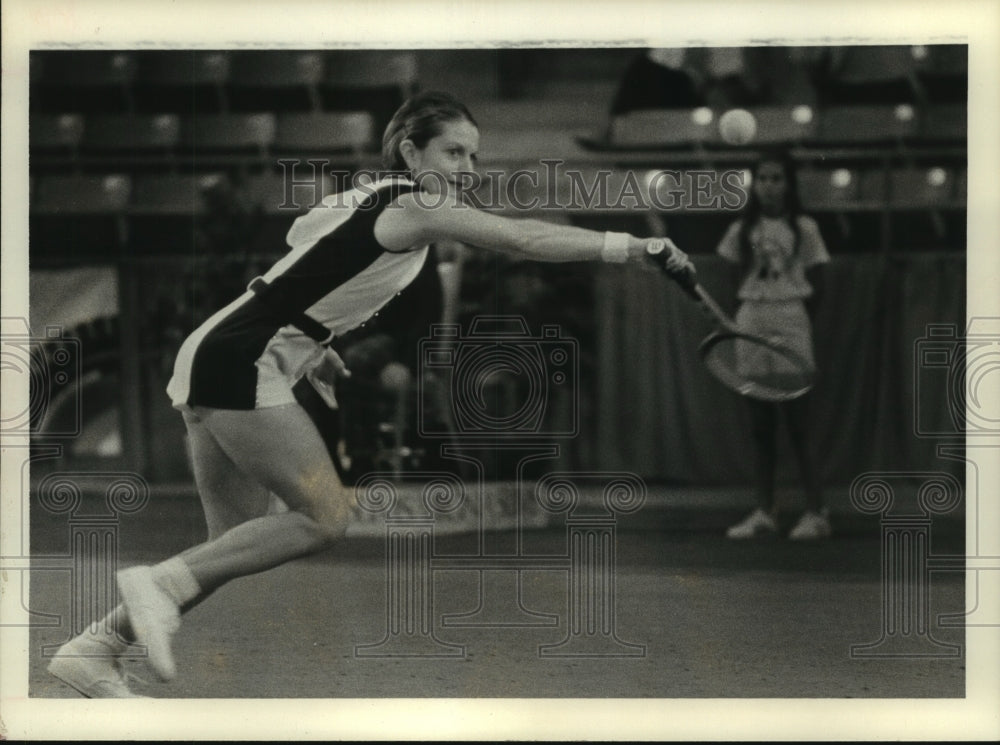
x=779, y=252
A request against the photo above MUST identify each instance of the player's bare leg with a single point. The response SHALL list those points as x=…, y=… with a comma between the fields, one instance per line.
x=243, y=537
x=294, y=465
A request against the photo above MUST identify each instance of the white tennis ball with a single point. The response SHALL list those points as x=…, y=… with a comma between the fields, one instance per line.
x=737, y=127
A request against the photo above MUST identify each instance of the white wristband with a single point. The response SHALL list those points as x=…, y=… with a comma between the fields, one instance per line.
x=615, y=248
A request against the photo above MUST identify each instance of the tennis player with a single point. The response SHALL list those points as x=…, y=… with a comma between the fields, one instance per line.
x=233, y=376
x=780, y=253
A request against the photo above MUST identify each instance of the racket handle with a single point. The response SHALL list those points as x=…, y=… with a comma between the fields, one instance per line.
x=685, y=277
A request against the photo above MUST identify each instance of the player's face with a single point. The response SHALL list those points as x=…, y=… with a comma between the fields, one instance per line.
x=771, y=186
x=453, y=152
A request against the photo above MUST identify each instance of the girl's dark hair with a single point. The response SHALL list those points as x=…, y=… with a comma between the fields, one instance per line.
x=752, y=211
x=420, y=119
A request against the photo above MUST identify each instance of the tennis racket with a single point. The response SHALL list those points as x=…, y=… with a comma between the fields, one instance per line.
x=763, y=368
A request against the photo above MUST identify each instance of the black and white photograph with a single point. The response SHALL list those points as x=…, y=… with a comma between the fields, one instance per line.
x=568, y=371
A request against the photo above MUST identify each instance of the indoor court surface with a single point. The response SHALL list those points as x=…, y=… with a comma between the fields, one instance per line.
x=554, y=458
x=717, y=618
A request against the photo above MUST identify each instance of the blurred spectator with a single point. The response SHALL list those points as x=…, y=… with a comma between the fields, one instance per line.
x=720, y=77
x=657, y=79
x=732, y=77
x=728, y=80
x=869, y=75
x=788, y=74
x=227, y=255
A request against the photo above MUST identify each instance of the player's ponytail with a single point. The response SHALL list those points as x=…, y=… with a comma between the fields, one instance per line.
x=419, y=119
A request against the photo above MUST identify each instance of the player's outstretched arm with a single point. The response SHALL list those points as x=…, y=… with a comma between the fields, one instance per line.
x=420, y=219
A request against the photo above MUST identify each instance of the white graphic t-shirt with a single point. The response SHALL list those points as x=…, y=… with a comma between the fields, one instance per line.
x=777, y=271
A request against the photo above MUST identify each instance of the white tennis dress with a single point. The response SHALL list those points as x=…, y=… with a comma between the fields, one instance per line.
x=249, y=355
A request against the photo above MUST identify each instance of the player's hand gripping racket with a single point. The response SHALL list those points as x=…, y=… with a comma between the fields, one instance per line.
x=752, y=365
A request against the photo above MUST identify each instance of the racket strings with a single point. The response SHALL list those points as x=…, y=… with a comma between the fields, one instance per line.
x=757, y=368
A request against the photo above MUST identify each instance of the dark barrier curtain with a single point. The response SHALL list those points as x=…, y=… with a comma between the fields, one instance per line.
x=662, y=416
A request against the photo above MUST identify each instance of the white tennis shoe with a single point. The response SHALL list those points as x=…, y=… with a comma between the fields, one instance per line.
x=812, y=526
x=154, y=617
x=756, y=524
x=92, y=668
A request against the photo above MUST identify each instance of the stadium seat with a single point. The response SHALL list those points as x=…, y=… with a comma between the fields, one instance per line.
x=281, y=198
x=203, y=137
x=944, y=123
x=915, y=207
x=943, y=72
x=81, y=195
x=54, y=136
x=829, y=189
x=884, y=123
x=290, y=193
x=281, y=80
x=513, y=147
x=875, y=187
x=693, y=190
x=131, y=135
x=663, y=128
x=78, y=217
x=171, y=193
x=962, y=185
x=164, y=212
x=533, y=188
x=916, y=188
x=840, y=200
x=925, y=213
x=324, y=132
x=373, y=81
x=184, y=82
x=870, y=74
x=353, y=70
x=784, y=124
x=82, y=81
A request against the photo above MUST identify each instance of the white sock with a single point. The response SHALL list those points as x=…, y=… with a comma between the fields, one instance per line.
x=175, y=578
